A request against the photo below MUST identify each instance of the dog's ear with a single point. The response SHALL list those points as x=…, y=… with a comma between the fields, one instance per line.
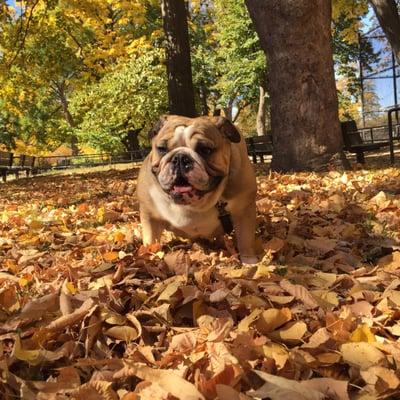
x=157, y=127
x=227, y=128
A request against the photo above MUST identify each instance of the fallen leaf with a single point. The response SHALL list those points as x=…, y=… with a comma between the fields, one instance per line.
x=166, y=379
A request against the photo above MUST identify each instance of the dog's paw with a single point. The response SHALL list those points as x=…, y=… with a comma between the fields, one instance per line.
x=249, y=260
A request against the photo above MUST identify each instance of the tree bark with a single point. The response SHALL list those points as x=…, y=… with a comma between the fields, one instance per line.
x=68, y=116
x=228, y=110
x=203, y=98
x=131, y=140
x=261, y=129
x=388, y=16
x=179, y=70
x=296, y=38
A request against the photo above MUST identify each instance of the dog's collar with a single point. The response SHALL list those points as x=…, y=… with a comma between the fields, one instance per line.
x=225, y=217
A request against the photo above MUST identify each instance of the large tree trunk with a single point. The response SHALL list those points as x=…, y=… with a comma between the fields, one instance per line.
x=388, y=16
x=261, y=129
x=304, y=108
x=179, y=69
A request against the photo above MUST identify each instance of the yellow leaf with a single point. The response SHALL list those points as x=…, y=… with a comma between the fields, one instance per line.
x=363, y=334
x=276, y=352
x=30, y=356
x=100, y=215
x=71, y=287
x=23, y=282
x=362, y=355
x=252, y=301
x=263, y=271
x=110, y=256
x=272, y=319
x=291, y=332
x=245, y=323
x=160, y=254
x=119, y=236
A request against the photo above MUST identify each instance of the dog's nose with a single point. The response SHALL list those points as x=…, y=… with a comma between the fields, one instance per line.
x=183, y=162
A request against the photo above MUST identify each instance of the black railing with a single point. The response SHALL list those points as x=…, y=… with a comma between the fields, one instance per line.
x=391, y=126
x=89, y=160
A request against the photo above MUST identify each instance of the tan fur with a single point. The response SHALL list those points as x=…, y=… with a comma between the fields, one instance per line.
x=237, y=188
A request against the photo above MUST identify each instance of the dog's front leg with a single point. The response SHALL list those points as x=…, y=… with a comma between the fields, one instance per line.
x=245, y=227
x=151, y=228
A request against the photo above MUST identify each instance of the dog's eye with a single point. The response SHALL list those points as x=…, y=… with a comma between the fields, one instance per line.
x=162, y=150
x=204, y=150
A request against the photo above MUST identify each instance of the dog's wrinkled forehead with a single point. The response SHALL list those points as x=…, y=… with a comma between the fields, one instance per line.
x=182, y=129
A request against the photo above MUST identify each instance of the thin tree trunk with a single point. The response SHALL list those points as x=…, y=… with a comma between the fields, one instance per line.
x=68, y=117
x=203, y=99
x=131, y=140
x=216, y=112
x=261, y=129
x=179, y=69
x=388, y=16
x=228, y=110
x=296, y=37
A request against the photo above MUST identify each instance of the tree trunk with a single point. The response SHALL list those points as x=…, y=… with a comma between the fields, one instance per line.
x=131, y=140
x=203, y=99
x=68, y=117
x=228, y=110
x=388, y=16
x=296, y=37
x=179, y=70
x=261, y=129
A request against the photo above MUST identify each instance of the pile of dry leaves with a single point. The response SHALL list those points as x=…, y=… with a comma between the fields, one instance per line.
x=87, y=312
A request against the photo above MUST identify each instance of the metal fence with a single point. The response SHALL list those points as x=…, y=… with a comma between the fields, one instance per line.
x=89, y=160
x=379, y=77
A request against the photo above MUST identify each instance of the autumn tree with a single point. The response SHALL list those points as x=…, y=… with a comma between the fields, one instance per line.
x=389, y=19
x=347, y=22
x=114, y=111
x=53, y=50
x=296, y=37
x=180, y=84
x=241, y=62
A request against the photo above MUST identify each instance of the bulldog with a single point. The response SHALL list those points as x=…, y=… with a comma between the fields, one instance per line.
x=197, y=171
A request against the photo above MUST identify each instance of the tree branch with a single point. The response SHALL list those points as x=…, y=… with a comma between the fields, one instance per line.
x=22, y=43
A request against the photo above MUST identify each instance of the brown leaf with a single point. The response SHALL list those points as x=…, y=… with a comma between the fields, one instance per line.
x=272, y=319
x=274, y=245
x=166, y=379
x=228, y=376
x=332, y=388
x=95, y=390
x=125, y=333
x=178, y=262
x=74, y=317
x=382, y=378
x=279, y=388
x=362, y=355
x=300, y=293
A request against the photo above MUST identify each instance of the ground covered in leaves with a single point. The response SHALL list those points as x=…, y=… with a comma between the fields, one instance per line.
x=87, y=312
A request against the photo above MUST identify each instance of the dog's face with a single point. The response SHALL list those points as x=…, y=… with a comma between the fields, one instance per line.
x=190, y=157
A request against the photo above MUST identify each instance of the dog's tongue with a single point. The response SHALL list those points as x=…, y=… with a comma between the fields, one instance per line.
x=182, y=189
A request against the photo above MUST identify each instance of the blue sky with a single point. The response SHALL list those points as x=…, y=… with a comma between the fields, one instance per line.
x=384, y=88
